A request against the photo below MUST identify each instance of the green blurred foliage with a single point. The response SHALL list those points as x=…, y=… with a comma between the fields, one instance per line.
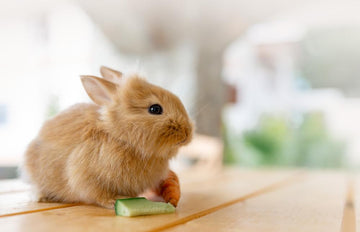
x=53, y=106
x=278, y=141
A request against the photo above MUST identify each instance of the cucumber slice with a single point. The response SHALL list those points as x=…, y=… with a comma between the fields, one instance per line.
x=141, y=206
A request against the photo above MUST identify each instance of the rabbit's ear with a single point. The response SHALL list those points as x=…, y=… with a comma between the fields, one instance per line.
x=110, y=74
x=99, y=90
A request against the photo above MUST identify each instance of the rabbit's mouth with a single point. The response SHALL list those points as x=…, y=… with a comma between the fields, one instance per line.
x=177, y=133
x=187, y=136
x=182, y=142
x=186, y=139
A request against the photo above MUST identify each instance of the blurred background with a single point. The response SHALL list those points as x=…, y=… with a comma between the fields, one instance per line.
x=269, y=83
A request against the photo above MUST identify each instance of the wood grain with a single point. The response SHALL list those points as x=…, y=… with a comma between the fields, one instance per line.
x=22, y=202
x=356, y=201
x=197, y=197
x=349, y=220
x=314, y=204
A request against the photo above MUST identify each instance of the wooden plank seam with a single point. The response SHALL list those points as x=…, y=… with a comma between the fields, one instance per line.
x=269, y=188
x=39, y=210
x=349, y=221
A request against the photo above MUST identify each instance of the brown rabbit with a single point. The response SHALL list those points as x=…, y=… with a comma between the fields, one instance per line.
x=120, y=146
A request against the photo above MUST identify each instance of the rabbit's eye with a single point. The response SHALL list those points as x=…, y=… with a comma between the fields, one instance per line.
x=155, y=109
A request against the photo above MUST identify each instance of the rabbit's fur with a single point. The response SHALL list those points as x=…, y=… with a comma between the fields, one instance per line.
x=95, y=153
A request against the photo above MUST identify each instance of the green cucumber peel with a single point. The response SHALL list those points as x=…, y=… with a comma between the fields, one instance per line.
x=139, y=206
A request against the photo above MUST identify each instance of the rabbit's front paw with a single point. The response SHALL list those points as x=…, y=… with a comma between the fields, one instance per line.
x=109, y=203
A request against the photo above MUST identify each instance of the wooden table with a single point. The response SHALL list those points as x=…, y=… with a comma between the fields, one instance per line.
x=233, y=200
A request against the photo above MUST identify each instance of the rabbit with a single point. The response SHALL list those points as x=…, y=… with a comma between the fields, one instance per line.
x=119, y=146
